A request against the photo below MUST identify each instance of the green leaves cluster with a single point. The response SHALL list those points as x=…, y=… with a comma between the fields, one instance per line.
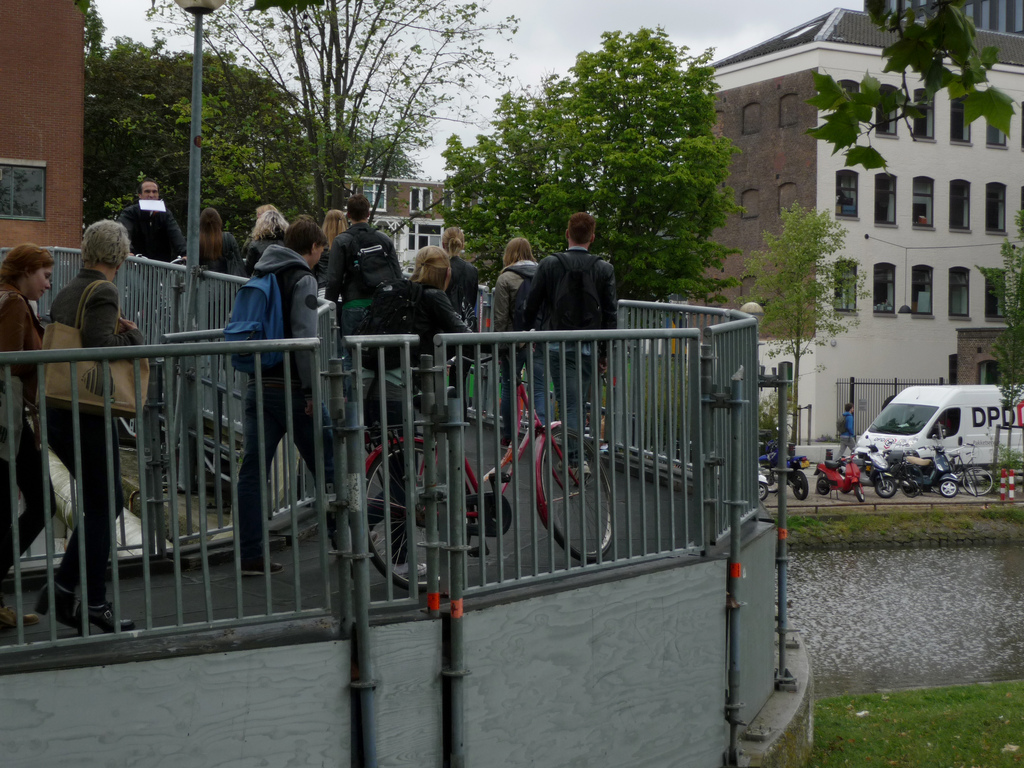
x=941, y=50
x=797, y=282
x=628, y=136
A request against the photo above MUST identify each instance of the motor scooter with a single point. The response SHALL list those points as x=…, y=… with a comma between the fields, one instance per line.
x=916, y=475
x=842, y=475
x=795, y=477
x=763, y=489
x=872, y=461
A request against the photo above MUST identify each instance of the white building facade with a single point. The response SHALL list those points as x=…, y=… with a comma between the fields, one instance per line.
x=917, y=234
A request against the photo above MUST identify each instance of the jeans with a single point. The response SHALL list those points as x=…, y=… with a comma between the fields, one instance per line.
x=510, y=389
x=570, y=409
x=29, y=475
x=539, y=384
x=251, y=477
x=351, y=317
x=96, y=499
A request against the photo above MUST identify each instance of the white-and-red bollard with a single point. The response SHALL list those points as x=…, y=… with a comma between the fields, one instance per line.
x=1007, y=481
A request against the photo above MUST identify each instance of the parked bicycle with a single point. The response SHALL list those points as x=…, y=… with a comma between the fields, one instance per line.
x=975, y=480
x=574, y=499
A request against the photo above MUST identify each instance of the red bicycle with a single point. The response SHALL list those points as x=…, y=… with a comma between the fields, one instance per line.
x=574, y=499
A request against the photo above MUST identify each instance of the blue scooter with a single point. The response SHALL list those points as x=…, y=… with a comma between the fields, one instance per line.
x=796, y=464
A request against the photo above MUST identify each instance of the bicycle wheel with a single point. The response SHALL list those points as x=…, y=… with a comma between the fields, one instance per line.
x=396, y=538
x=977, y=481
x=576, y=501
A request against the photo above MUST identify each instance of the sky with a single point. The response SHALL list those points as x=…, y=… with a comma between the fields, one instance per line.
x=552, y=32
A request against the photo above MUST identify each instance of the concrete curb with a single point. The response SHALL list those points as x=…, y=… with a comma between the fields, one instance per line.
x=782, y=734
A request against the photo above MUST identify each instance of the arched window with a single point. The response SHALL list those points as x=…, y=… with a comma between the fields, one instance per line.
x=850, y=86
x=751, y=202
x=921, y=206
x=959, y=292
x=988, y=372
x=924, y=126
x=885, y=124
x=993, y=307
x=959, y=129
x=846, y=285
x=885, y=199
x=995, y=207
x=787, y=195
x=921, y=290
x=959, y=204
x=846, y=193
x=789, y=110
x=884, y=292
x=751, y=118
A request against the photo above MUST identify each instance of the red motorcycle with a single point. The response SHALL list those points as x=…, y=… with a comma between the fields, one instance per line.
x=842, y=475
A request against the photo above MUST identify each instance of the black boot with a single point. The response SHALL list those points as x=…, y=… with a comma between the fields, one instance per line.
x=63, y=604
x=103, y=618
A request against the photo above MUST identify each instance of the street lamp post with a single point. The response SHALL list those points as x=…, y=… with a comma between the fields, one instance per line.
x=198, y=9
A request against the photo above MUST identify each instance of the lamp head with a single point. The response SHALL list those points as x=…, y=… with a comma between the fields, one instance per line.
x=197, y=7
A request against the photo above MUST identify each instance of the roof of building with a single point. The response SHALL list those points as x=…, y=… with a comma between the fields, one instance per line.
x=842, y=25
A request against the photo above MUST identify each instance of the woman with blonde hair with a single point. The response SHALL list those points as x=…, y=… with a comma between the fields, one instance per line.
x=519, y=267
x=334, y=224
x=104, y=250
x=24, y=278
x=269, y=230
x=465, y=282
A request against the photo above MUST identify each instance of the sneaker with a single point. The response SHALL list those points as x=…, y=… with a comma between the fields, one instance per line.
x=8, y=618
x=402, y=569
x=256, y=567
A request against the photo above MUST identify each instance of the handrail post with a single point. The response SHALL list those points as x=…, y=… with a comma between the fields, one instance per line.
x=783, y=679
x=735, y=573
x=341, y=507
x=433, y=492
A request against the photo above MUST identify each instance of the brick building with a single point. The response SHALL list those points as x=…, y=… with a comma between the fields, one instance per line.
x=42, y=85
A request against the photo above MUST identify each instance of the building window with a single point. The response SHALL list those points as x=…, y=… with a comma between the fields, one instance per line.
x=959, y=129
x=846, y=287
x=885, y=124
x=789, y=110
x=884, y=288
x=846, y=193
x=959, y=204
x=1018, y=16
x=751, y=202
x=421, y=235
x=995, y=207
x=988, y=372
x=852, y=86
x=959, y=293
x=921, y=208
x=370, y=190
x=921, y=290
x=752, y=118
x=22, y=192
x=787, y=195
x=994, y=137
x=447, y=198
x=993, y=307
x=885, y=199
x=924, y=126
x=986, y=21
x=419, y=198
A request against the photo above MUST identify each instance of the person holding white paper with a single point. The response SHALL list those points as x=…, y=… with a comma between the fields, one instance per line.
x=151, y=227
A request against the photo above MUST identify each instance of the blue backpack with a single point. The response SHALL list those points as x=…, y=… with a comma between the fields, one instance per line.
x=256, y=315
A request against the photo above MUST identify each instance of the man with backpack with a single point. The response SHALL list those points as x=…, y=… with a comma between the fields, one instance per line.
x=847, y=437
x=573, y=291
x=360, y=259
x=292, y=307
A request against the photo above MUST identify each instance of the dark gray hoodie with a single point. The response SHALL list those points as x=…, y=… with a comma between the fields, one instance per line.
x=299, y=303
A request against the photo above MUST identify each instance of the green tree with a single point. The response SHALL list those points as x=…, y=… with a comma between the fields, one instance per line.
x=250, y=155
x=941, y=49
x=367, y=81
x=802, y=287
x=1008, y=350
x=628, y=136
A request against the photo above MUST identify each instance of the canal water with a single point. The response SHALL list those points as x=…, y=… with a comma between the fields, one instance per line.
x=880, y=620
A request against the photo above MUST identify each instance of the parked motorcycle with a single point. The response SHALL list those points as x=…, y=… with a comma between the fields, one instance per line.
x=762, y=485
x=915, y=475
x=842, y=475
x=795, y=477
x=873, y=462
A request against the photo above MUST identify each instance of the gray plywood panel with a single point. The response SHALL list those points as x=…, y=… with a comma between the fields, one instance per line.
x=757, y=623
x=277, y=707
x=624, y=673
x=407, y=660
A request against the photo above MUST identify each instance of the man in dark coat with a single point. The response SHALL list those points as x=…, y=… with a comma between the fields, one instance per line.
x=153, y=233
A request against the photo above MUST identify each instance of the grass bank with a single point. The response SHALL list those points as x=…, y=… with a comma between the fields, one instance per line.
x=910, y=525
x=970, y=726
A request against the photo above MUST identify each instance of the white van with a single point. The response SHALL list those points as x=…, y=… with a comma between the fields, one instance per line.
x=967, y=414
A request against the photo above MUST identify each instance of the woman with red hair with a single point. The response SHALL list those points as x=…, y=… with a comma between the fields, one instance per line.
x=24, y=277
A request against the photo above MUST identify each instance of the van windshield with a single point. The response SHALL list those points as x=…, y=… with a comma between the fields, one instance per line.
x=902, y=419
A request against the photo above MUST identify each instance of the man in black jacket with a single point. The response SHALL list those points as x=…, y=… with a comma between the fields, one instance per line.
x=153, y=233
x=541, y=313
x=345, y=285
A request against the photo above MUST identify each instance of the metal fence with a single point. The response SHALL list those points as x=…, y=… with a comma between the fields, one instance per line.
x=870, y=396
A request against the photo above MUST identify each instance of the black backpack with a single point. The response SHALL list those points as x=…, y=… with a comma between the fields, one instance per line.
x=373, y=265
x=525, y=270
x=392, y=310
x=577, y=305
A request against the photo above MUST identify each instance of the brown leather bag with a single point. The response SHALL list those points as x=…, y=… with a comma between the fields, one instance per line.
x=90, y=373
